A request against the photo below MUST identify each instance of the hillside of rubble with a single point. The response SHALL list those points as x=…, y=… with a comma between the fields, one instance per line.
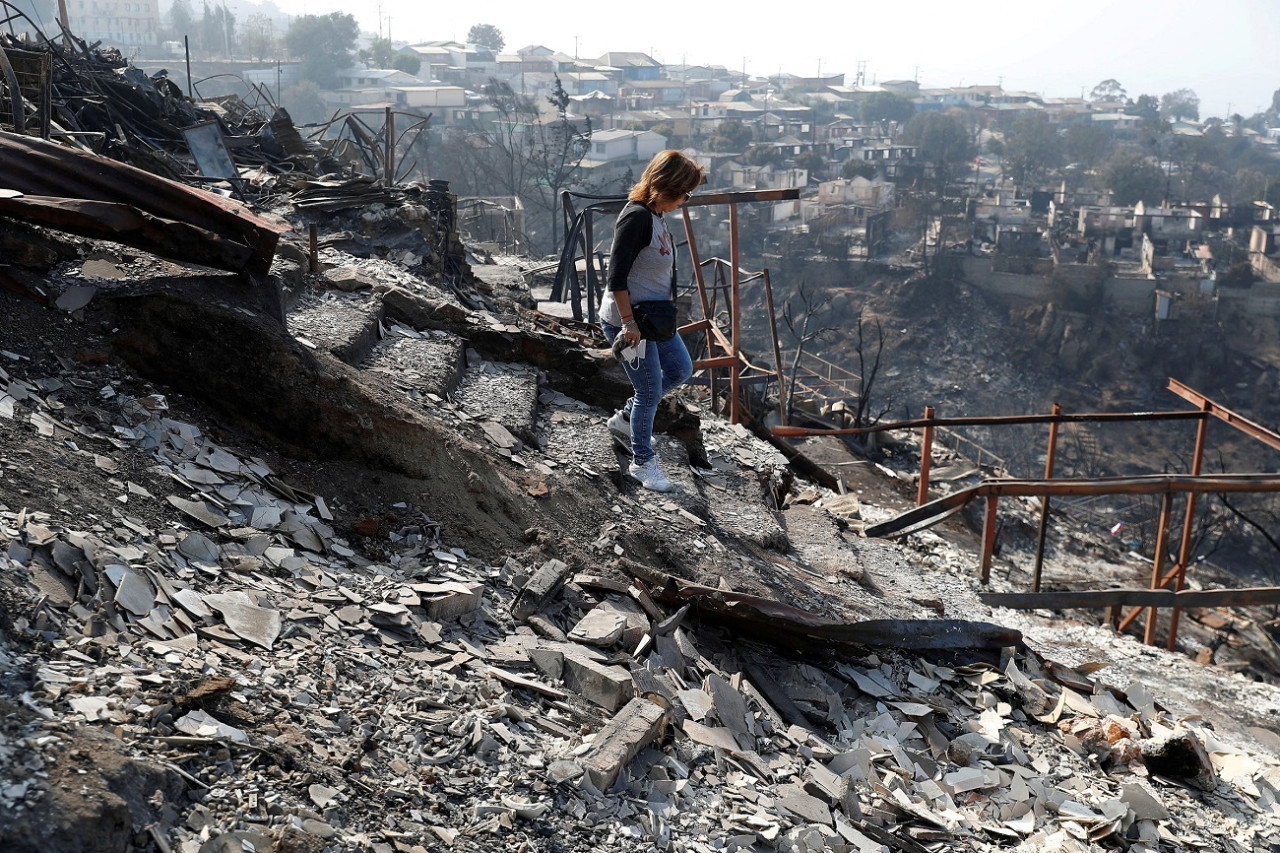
x=344, y=560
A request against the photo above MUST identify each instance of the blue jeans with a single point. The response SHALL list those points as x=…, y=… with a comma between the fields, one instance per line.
x=666, y=366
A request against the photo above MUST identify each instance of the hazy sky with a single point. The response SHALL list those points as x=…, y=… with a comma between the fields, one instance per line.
x=1226, y=51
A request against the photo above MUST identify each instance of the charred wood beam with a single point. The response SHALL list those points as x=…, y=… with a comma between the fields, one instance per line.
x=124, y=224
x=775, y=621
x=39, y=168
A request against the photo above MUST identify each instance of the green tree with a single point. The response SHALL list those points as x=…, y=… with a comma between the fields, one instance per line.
x=1146, y=107
x=1108, y=90
x=1132, y=177
x=409, y=63
x=217, y=30
x=257, y=36
x=1180, y=104
x=1032, y=148
x=324, y=44
x=764, y=155
x=944, y=139
x=516, y=152
x=378, y=54
x=1272, y=114
x=731, y=135
x=886, y=106
x=1248, y=185
x=1087, y=144
x=486, y=35
x=182, y=19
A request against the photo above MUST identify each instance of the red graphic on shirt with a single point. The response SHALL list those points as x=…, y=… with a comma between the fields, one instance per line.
x=664, y=243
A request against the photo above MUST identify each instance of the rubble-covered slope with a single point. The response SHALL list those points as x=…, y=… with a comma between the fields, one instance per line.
x=373, y=580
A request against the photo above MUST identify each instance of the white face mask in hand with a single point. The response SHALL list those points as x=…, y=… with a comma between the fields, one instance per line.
x=630, y=355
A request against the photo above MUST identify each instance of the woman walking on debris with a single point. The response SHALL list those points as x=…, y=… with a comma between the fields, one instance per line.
x=642, y=287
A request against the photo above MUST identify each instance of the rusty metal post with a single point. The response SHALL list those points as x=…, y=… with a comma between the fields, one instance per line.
x=313, y=248
x=988, y=538
x=777, y=351
x=1188, y=521
x=1044, y=501
x=1162, y=544
x=735, y=317
x=696, y=260
x=926, y=459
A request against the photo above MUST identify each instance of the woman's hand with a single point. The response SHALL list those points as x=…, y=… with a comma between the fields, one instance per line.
x=631, y=333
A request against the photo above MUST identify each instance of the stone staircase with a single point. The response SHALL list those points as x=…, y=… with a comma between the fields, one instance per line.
x=508, y=406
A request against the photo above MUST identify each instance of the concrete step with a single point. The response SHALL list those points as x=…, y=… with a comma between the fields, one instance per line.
x=347, y=325
x=505, y=393
x=422, y=364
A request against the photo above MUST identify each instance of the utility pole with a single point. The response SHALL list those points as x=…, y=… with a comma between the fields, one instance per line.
x=379, y=22
x=226, y=25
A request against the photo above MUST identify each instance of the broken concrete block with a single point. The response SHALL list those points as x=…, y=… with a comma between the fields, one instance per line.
x=349, y=279
x=450, y=599
x=540, y=587
x=821, y=782
x=808, y=808
x=606, y=686
x=630, y=731
x=601, y=626
x=582, y=673
x=611, y=621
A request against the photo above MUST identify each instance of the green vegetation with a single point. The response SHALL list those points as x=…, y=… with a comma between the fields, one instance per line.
x=325, y=44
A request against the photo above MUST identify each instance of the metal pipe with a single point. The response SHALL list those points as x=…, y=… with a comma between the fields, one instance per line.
x=1162, y=544
x=735, y=315
x=998, y=420
x=389, y=148
x=1188, y=521
x=1044, y=501
x=926, y=460
x=777, y=351
x=988, y=538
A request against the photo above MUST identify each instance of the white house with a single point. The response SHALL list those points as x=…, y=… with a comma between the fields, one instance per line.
x=874, y=195
x=608, y=146
x=375, y=78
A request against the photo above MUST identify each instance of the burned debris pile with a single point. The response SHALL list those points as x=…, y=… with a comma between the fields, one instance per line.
x=477, y=635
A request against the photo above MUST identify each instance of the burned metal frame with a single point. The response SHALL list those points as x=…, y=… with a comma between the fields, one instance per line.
x=1194, y=484
x=377, y=147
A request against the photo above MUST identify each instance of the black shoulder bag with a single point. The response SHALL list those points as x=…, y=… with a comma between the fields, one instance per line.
x=656, y=319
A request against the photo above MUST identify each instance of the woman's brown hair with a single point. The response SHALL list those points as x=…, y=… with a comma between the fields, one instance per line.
x=669, y=175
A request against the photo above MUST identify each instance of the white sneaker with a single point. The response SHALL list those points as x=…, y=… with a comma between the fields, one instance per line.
x=620, y=426
x=650, y=476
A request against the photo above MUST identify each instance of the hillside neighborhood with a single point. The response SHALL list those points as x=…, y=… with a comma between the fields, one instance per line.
x=314, y=537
